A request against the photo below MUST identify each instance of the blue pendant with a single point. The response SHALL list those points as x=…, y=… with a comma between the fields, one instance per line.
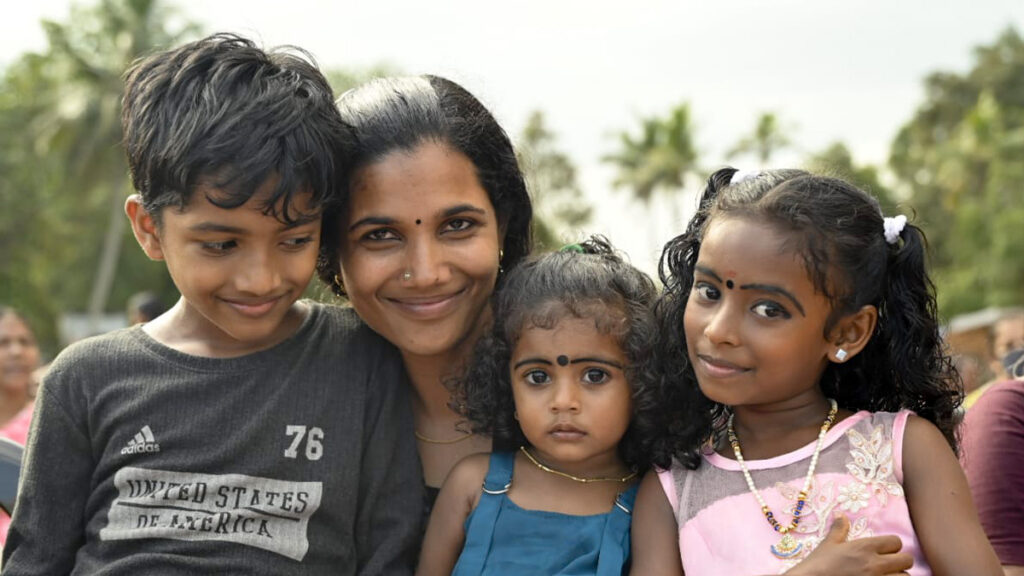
x=787, y=547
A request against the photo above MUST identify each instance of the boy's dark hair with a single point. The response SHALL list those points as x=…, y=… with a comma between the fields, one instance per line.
x=398, y=114
x=222, y=112
x=592, y=283
x=838, y=230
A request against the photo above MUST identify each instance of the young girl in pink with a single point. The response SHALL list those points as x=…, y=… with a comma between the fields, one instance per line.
x=808, y=382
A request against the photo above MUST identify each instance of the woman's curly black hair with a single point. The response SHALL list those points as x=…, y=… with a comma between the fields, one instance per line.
x=838, y=229
x=589, y=280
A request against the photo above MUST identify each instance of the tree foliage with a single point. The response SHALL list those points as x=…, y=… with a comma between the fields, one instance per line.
x=768, y=138
x=659, y=158
x=836, y=160
x=558, y=202
x=960, y=159
x=65, y=177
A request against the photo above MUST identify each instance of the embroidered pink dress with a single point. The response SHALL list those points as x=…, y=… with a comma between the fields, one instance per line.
x=723, y=533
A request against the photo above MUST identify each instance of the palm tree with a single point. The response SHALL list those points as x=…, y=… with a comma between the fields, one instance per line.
x=558, y=202
x=767, y=139
x=658, y=159
x=88, y=56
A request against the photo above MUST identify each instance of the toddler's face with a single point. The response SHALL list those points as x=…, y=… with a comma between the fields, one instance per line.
x=572, y=398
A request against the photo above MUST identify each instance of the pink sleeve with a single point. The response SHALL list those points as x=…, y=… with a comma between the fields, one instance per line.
x=668, y=484
x=899, y=426
x=17, y=428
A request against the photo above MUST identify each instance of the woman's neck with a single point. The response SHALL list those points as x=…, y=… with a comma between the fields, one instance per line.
x=428, y=375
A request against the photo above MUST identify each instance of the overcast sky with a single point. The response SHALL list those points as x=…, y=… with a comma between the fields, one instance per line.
x=833, y=71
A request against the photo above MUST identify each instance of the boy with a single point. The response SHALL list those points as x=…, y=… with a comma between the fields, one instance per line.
x=243, y=431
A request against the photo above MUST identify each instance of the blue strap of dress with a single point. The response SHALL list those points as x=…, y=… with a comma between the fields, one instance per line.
x=480, y=527
x=615, y=540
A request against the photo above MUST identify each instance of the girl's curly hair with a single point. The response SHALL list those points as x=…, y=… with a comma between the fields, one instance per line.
x=838, y=229
x=591, y=281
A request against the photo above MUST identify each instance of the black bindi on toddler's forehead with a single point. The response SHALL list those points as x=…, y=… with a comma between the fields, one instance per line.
x=729, y=284
x=418, y=221
x=562, y=360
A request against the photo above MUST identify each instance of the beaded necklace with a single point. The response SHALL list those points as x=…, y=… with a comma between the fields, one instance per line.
x=787, y=546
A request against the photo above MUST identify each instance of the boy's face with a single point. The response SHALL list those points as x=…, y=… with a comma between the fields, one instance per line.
x=238, y=270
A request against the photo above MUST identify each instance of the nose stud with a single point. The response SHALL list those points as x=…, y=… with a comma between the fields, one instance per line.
x=406, y=276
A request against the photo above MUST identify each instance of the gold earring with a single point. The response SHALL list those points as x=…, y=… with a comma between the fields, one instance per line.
x=340, y=285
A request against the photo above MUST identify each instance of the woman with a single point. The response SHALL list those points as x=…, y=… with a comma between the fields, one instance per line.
x=436, y=208
x=19, y=358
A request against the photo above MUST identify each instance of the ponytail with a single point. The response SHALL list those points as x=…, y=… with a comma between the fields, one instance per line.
x=926, y=379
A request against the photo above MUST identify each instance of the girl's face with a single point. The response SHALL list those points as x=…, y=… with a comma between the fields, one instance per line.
x=419, y=249
x=572, y=399
x=19, y=354
x=754, y=321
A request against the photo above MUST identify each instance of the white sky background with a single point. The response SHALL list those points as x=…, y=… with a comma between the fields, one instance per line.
x=833, y=71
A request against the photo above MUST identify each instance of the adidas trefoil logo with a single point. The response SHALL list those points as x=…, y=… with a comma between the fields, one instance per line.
x=142, y=442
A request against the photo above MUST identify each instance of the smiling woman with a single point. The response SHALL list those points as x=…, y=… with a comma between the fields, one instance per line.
x=435, y=209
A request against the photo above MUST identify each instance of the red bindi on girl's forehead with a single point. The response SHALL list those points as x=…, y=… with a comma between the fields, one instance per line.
x=729, y=275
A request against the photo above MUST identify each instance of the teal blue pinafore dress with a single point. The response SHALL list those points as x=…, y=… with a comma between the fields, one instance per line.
x=504, y=539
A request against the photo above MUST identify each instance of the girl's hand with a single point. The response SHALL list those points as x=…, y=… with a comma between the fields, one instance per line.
x=835, y=556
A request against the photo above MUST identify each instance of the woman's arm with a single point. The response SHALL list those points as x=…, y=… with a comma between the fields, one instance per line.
x=446, y=529
x=940, y=505
x=655, y=533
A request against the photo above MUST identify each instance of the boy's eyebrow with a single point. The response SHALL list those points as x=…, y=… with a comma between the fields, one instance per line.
x=777, y=290
x=596, y=360
x=303, y=220
x=387, y=221
x=227, y=229
x=215, y=227
x=533, y=361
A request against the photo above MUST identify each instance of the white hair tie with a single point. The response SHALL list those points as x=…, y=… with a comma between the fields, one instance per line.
x=742, y=176
x=893, y=227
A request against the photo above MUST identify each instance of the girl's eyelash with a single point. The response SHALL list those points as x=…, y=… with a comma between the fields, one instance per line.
x=779, y=310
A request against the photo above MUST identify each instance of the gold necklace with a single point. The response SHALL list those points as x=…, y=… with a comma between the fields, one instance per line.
x=428, y=440
x=529, y=456
x=787, y=546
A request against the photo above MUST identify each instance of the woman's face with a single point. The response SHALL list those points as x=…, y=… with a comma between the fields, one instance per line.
x=419, y=249
x=19, y=354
